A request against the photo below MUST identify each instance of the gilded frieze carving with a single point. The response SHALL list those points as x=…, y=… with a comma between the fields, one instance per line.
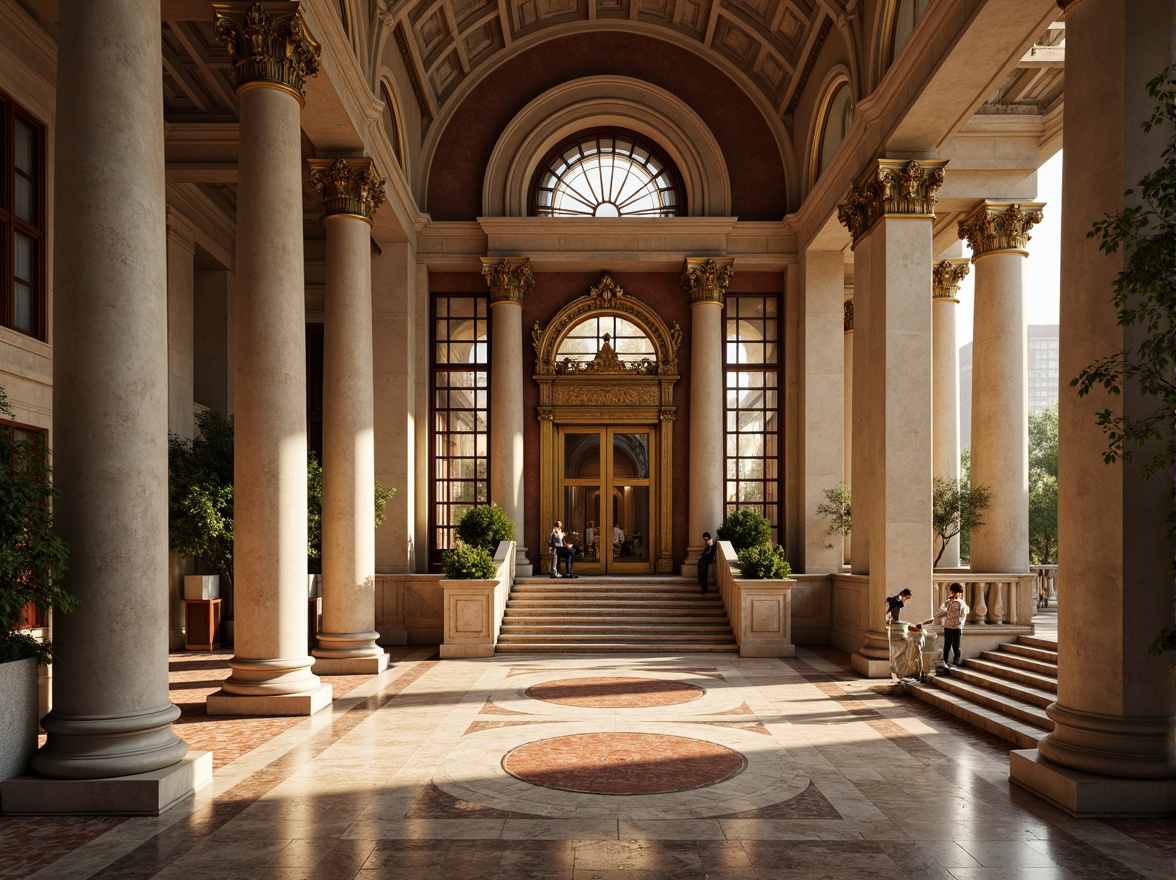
x=509, y=278
x=608, y=395
x=706, y=278
x=848, y=312
x=349, y=187
x=946, y=276
x=608, y=296
x=891, y=187
x=268, y=44
x=1000, y=226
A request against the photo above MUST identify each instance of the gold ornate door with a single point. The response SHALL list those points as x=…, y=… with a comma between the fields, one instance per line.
x=606, y=368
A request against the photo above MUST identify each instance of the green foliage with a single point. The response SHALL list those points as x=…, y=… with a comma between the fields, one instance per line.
x=836, y=507
x=1144, y=292
x=955, y=506
x=745, y=527
x=764, y=562
x=200, y=494
x=1043, y=487
x=32, y=558
x=485, y=526
x=314, y=511
x=965, y=478
x=465, y=562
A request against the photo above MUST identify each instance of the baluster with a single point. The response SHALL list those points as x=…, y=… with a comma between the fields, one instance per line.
x=996, y=609
x=981, y=608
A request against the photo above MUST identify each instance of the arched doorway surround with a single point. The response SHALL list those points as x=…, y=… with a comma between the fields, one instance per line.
x=620, y=409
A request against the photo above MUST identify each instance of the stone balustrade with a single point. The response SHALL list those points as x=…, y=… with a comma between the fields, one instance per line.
x=995, y=599
x=1047, y=584
x=760, y=611
x=473, y=609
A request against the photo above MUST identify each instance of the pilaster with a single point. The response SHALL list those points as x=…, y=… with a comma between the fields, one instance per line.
x=706, y=280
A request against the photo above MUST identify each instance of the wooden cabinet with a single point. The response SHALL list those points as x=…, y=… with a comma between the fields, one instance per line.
x=202, y=619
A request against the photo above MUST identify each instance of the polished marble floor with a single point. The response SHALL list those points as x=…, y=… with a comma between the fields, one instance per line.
x=593, y=768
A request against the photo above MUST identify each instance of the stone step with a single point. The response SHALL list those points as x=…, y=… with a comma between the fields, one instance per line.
x=1008, y=658
x=541, y=618
x=616, y=637
x=565, y=628
x=1045, y=655
x=1047, y=683
x=997, y=684
x=1014, y=708
x=568, y=604
x=1039, y=642
x=616, y=648
x=1022, y=734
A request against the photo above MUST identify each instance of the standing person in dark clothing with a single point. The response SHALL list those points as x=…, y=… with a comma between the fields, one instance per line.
x=894, y=605
x=705, y=559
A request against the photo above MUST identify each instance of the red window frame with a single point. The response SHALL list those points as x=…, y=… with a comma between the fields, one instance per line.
x=11, y=225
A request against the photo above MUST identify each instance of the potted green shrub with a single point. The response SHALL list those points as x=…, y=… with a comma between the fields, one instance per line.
x=465, y=562
x=314, y=513
x=745, y=527
x=485, y=526
x=32, y=562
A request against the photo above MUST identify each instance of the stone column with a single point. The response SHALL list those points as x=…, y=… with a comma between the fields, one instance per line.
x=509, y=279
x=998, y=232
x=1112, y=750
x=945, y=426
x=352, y=190
x=847, y=420
x=112, y=716
x=706, y=280
x=889, y=214
x=272, y=53
x=822, y=314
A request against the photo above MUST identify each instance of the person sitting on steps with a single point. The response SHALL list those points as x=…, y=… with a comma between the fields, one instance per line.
x=560, y=546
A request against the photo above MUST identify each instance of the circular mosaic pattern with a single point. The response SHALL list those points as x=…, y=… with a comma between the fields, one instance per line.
x=615, y=693
x=623, y=763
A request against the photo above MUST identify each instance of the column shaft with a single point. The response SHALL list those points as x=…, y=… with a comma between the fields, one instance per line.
x=946, y=387
x=347, y=643
x=847, y=420
x=706, y=426
x=112, y=715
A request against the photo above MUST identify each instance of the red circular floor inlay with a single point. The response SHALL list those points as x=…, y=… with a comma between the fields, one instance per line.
x=615, y=693
x=623, y=763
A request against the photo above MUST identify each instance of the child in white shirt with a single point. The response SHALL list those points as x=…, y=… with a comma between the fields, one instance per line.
x=953, y=612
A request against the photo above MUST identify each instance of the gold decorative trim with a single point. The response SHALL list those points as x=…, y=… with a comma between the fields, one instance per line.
x=268, y=44
x=891, y=187
x=847, y=320
x=946, y=276
x=1000, y=226
x=349, y=187
x=706, y=278
x=606, y=296
x=509, y=278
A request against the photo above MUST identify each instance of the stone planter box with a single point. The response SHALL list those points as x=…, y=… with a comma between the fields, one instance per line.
x=201, y=587
x=18, y=720
x=760, y=611
x=473, y=609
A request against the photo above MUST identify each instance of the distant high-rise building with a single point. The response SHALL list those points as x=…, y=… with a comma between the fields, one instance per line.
x=1043, y=376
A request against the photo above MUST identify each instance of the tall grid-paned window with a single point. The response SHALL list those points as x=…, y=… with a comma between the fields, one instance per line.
x=22, y=220
x=752, y=405
x=461, y=415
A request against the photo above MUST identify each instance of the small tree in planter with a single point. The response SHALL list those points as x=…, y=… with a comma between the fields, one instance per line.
x=485, y=526
x=837, y=509
x=314, y=512
x=745, y=527
x=32, y=558
x=764, y=562
x=200, y=494
x=464, y=562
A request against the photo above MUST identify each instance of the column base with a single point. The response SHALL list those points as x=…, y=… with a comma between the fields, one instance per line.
x=141, y=794
x=690, y=563
x=870, y=667
x=305, y=703
x=372, y=664
x=523, y=567
x=1090, y=795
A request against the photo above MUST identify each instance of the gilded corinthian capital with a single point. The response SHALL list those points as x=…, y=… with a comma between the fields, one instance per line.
x=891, y=187
x=268, y=43
x=1000, y=226
x=509, y=278
x=349, y=187
x=946, y=276
x=706, y=278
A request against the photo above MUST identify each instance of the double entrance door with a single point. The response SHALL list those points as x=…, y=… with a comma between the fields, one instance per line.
x=605, y=493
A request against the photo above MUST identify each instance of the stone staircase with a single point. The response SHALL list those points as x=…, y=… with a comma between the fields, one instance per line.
x=650, y=615
x=1004, y=692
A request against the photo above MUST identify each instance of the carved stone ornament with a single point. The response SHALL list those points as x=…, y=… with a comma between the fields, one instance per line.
x=946, y=276
x=605, y=395
x=892, y=187
x=1000, y=226
x=706, y=278
x=848, y=320
x=268, y=44
x=509, y=278
x=609, y=298
x=350, y=187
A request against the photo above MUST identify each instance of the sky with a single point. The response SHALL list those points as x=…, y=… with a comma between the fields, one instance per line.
x=1043, y=264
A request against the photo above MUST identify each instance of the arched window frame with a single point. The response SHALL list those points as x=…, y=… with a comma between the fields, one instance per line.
x=391, y=113
x=895, y=16
x=656, y=153
x=836, y=85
